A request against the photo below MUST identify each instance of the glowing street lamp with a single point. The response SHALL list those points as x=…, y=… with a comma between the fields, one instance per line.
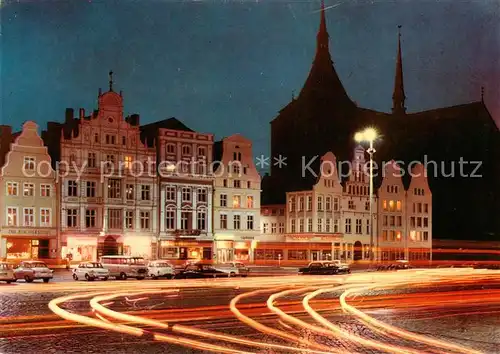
x=369, y=135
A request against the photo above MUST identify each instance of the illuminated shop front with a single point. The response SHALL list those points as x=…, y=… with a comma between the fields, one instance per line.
x=185, y=250
x=23, y=244
x=81, y=248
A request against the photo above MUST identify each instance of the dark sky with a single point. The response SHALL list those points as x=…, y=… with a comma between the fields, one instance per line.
x=228, y=67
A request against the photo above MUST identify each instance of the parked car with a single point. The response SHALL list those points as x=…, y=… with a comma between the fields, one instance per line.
x=200, y=270
x=33, y=270
x=90, y=271
x=398, y=265
x=320, y=268
x=158, y=269
x=7, y=272
x=233, y=269
x=123, y=267
x=343, y=267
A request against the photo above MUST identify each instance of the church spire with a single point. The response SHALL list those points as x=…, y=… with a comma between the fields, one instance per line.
x=111, y=80
x=398, y=97
x=322, y=37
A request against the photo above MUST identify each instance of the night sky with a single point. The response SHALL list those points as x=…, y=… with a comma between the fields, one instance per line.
x=228, y=67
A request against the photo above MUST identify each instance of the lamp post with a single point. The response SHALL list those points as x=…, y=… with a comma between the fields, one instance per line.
x=369, y=135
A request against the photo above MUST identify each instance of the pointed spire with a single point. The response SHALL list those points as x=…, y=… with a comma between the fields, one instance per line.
x=398, y=97
x=111, y=80
x=322, y=36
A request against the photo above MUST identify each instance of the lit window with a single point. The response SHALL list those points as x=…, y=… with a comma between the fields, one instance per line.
x=398, y=205
x=11, y=216
x=28, y=189
x=12, y=188
x=250, y=202
x=45, y=217
x=129, y=192
x=384, y=205
x=128, y=162
x=29, y=163
x=236, y=201
x=391, y=205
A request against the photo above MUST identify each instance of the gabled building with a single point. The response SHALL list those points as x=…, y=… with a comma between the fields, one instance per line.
x=324, y=118
x=28, y=200
x=108, y=183
x=185, y=187
x=236, y=208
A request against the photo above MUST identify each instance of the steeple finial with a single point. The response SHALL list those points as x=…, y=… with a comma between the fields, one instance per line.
x=398, y=97
x=111, y=80
x=322, y=36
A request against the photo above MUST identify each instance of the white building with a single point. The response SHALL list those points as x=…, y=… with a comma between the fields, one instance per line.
x=356, y=209
x=108, y=183
x=236, y=200
x=186, y=190
x=28, y=200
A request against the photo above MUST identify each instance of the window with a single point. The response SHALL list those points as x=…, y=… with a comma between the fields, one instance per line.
x=309, y=203
x=309, y=225
x=45, y=217
x=202, y=195
x=110, y=158
x=186, y=194
x=426, y=236
x=202, y=220
x=170, y=219
x=336, y=227
x=237, y=222
x=301, y=203
x=350, y=205
x=367, y=227
x=110, y=139
x=170, y=149
x=236, y=168
x=384, y=205
x=91, y=159
x=335, y=204
x=384, y=235
x=170, y=193
x=12, y=188
x=223, y=221
x=273, y=228
x=127, y=162
x=224, y=183
x=90, y=217
x=114, y=218
x=393, y=221
x=328, y=225
x=144, y=220
x=28, y=189
x=29, y=217
x=96, y=138
x=367, y=206
x=426, y=208
x=391, y=205
x=29, y=163
x=71, y=218
x=11, y=216
x=359, y=227
x=281, y=227
x=292, y=226
x=249, y=222
x=129, y=192
x=320, y=203
x=237, y=183
x=129, y=219
x=328, y=203
x=347, y=226
x=250, y=202
x=124, y=140
x=236, y=201
x=398, y=205
x=185, y=216
x=145, y=192
x=385, y=220
x=186, y=149
x=114, y=188
x=320, y=225
x=90, y=190
x=426, y=222
x=265, y=227
x=223, y=200
x=301, y=225
x=291, y=204
x=399, y=221
x=419, y=208
x=237, y=156
x=249, y=184
x=419, y=222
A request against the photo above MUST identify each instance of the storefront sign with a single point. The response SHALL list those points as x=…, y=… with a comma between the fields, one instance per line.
x=30, y=232
x=247, y=237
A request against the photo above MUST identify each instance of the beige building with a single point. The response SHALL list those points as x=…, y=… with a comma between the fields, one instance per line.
x=186, y=190
x=236, y=200
x=28, y=200
x=108, y=182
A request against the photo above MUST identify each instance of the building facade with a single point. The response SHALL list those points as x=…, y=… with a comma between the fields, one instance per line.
x=356, y=209
x=186, y=190
x=108, y=183
x=28, y=200
x=236, y=200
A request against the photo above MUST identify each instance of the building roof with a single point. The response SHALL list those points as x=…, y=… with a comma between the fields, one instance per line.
x=169, y=123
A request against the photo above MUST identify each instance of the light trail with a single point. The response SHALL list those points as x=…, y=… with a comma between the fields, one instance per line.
x=288, y=300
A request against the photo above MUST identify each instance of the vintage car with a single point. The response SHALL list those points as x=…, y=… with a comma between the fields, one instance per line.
x=233, y=269
x=33, y=270
x=158, y=269
x=200, y=270
x=7, y=272
x=320, y=268
x=90, y=271
x=343, y=267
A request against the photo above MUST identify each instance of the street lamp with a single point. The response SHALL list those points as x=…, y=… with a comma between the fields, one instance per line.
x=369, y=135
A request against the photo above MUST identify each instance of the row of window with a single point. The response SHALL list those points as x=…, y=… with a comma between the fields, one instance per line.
x=419, y=191
x=420, y=222
x=327, y=225
x=394, y=235
x=128, y=161
x=236, y=222
x=185, y=149
x=236, y=184
x=274, y=227
x=327, y=203
x=114, y=190
x=357, y=190
x=392, y=220
x=28, y=217
x=185, y=220
x=236, y=203
x=116, y=219
x=391, y=205
x=28, y=189
x=352, y=206
x=186, y=193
